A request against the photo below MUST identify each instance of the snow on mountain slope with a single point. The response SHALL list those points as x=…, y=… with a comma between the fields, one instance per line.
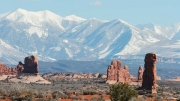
x=74, y=18
x=41, y=20
x=169, y=32
x=52, y=37
x=82, y=30
x=9, y=54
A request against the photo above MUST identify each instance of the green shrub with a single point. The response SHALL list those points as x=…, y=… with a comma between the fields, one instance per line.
x=89, y=92
x=121, y=92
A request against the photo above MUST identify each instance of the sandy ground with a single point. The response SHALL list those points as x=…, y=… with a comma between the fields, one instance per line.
x=30, y=79
x=3, y=77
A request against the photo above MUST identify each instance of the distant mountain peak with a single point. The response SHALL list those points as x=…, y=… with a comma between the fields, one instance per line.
x=123, y=22
x=21, y=10
x=74, y=18
x=51, y=36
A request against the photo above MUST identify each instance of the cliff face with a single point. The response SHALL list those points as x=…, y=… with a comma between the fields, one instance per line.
x=30, y=66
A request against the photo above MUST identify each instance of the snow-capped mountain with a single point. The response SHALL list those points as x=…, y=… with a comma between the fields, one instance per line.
x=52, y=37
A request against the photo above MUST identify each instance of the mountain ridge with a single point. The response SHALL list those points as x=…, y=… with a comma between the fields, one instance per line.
x=52, y=37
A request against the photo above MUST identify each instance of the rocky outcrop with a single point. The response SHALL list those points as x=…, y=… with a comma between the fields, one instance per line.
x=20, y=68
x=115, y=73
x=127, y=76
x=149, y=74
x=140, y=74
x=30, y=66
x=7, y=71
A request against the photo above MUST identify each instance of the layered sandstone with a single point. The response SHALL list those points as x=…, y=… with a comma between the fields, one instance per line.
x=127, y=76
x=30, y=66
x=7, y=71
x=149, y=74
x=115, y=73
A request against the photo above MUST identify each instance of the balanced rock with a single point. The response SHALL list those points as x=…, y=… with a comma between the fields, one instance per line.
x=149, y=74
x=140, y=74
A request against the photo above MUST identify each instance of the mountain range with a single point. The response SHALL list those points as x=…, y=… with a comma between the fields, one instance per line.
x=52, y=37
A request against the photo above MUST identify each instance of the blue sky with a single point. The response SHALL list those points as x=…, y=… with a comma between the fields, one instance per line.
x=161, y=12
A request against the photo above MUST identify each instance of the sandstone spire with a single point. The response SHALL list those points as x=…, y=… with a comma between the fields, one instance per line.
x=149, y=74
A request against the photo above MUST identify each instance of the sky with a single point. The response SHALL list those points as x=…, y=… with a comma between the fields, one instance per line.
x=160, y=12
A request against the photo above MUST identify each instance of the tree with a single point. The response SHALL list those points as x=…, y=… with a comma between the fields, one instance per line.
x=121, y=92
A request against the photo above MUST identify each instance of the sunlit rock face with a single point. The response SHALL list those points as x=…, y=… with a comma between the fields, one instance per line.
x=7, y=71
x=115, y=73
x=149, y=74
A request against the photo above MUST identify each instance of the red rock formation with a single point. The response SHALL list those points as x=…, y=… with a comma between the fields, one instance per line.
x=30, y=66
x=116, y=65
x=110, y=73
x=149, y=74
x=7, y=71
x=120, y=74
x=20, y=68
x=127, y=76
x=115, y=73
x=140, y=74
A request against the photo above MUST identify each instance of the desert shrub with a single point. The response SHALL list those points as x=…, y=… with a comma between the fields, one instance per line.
x=142, y=98
x=17, y=90
x=58, y=94
x=121, y=92
x=2, y=91
x=89, y=92
x=29, y=96
x=97, y=99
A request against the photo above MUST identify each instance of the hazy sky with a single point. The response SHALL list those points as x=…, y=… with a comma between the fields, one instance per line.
x=162, y=12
